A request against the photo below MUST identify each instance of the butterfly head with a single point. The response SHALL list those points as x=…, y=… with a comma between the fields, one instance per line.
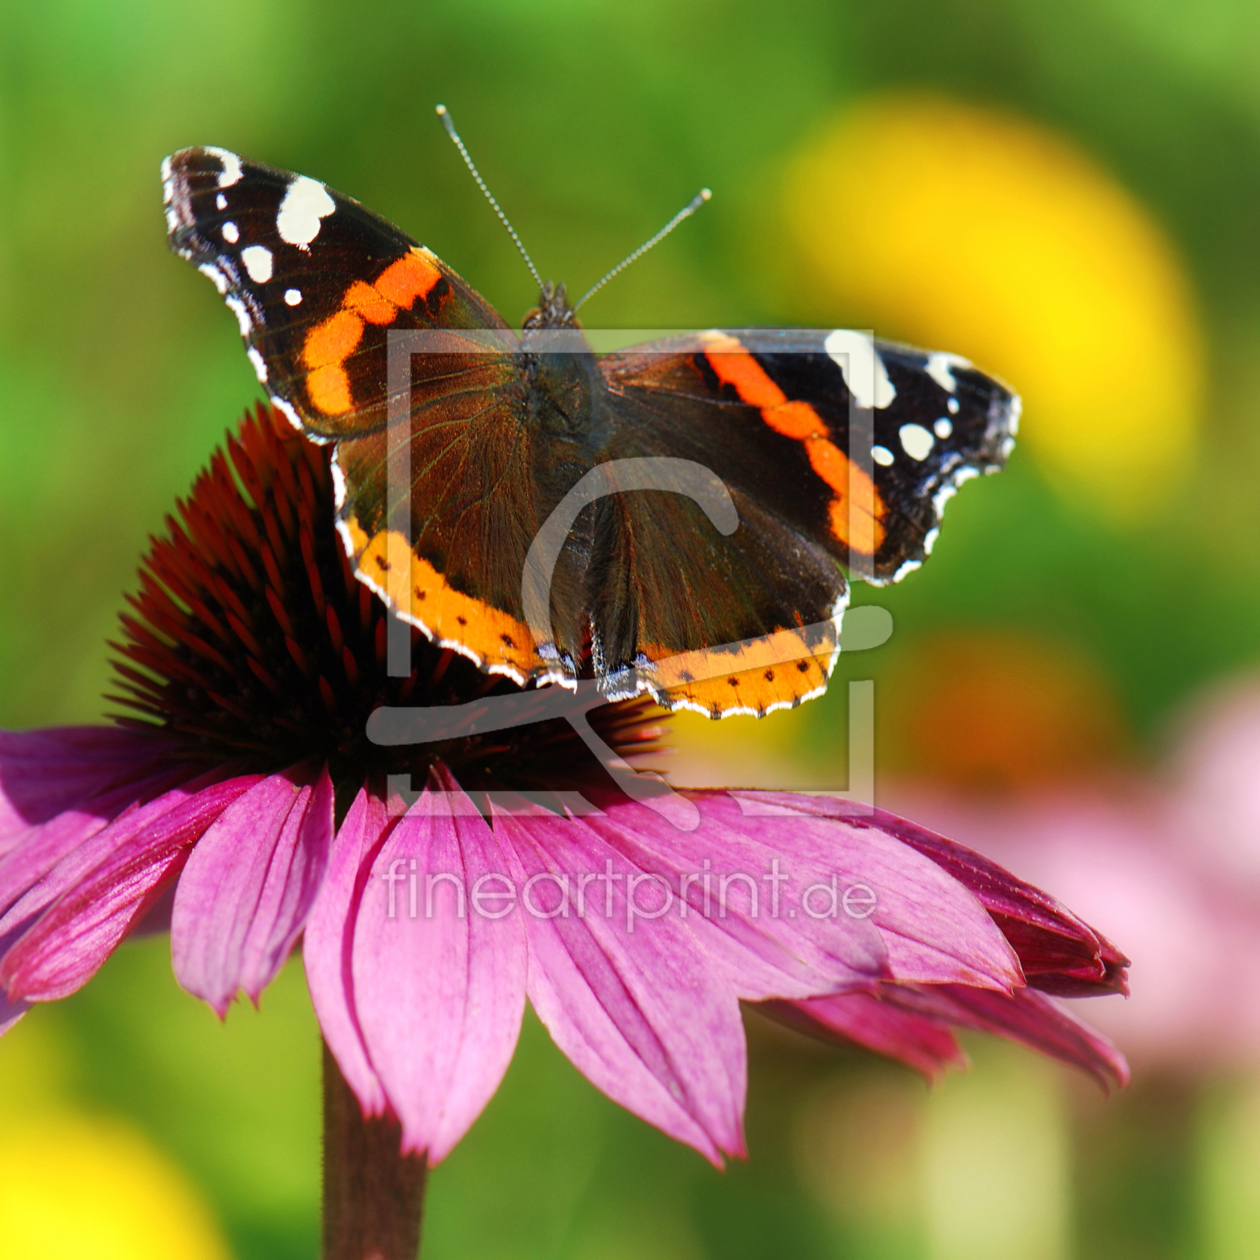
x=553, y=310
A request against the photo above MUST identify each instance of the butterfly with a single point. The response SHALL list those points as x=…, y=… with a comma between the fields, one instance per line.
x=495, y=431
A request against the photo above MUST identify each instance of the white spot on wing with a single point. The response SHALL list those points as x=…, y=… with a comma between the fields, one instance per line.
x=916, y=441
x=220, y=280
x=168, y=195
x=239, y=309
x=940, y=367
x=347, y=541
x=230, y=233
x=951, y=405
x=855, y=355
x=289, y=414
x=943, y=495
x=257, y=260
x=220, y=202
x=339, y=483
x=882, y=455
x=293, y=296
x=942, y=428
x=231, y=172
x=260, y=365
x=950, y=488
x=305, y=203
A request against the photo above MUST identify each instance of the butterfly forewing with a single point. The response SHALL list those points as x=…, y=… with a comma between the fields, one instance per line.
x=318, y=285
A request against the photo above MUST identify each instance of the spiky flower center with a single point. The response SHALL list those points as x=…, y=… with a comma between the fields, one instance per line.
x=252, y=640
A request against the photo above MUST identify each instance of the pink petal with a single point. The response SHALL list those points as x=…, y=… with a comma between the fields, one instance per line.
x=10, y=1013
x=45, y=772
x=911, y=1023
x=439, y=993
x=1058, y=952
x=767, y=946
x=934, y=929
x=99, y=892
x=10, y=1010
x=30, y=852
x=922, y=1042
x=36, y=850
x=245, y=893
x=105, y=841
x=641, y=1013
x=1026, y=1016
x=327, y=946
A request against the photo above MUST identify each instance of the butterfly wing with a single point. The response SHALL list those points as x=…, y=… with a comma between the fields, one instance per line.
x=454, y=450
x=319, y=286
x=750, y=622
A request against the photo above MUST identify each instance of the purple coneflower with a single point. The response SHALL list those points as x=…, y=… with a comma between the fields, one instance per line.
x=243, y=803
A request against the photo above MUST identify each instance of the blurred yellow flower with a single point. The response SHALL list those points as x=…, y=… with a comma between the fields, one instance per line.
x=73, y=1187
x=967, y=230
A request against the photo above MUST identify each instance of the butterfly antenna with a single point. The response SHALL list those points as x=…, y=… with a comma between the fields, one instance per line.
x=445, y=116
x=685, y=213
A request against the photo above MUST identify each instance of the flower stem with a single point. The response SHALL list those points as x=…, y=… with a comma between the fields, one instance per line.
x=373, y=1195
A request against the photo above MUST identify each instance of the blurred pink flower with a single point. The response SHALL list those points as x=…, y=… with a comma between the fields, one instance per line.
x=249, y=811
x=1172, y=865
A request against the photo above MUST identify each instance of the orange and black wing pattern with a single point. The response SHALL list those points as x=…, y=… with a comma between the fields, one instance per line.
x=322, y=288
x=825, y=478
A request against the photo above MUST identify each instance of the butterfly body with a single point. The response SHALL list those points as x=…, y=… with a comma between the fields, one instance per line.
x=497, y=431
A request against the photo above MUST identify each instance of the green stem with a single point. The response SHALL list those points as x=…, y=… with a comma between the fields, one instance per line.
x=373, y=1196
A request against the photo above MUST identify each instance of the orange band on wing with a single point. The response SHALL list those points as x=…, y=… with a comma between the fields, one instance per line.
x=411, y=277
x=333, y=341
x=330, y=344
x=327, y=347
x=754, y=679
x=795, y=420
x=416, y=590
x=328, y=388
x=735, y=366
x=366, y=302
x=857, y=510
x=858, y=530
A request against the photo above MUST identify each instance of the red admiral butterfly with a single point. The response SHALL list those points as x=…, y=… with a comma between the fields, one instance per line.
x=499, y=435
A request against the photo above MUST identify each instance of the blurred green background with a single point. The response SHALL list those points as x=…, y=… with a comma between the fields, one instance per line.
x=1067, y=193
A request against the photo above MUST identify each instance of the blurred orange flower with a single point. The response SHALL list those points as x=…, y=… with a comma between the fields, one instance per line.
x=994, y=710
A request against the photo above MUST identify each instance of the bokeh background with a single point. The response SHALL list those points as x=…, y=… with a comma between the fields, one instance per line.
x=1065, y=193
